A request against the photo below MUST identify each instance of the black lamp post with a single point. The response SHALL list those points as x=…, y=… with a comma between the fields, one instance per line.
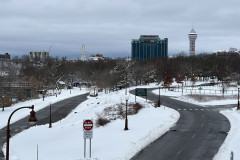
x=50, y=117
x=3, y=104
x=32, y=120
x=126, y=120
x=238, y=107
x=43, y=95
x=159, y=103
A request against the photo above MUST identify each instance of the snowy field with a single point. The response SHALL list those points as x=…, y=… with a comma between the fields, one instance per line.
x=65, y=140
x=111, y=142
x=232, y=142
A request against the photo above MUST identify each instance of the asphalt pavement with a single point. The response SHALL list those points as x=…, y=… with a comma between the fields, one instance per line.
x=197, y=135
x=59, y=110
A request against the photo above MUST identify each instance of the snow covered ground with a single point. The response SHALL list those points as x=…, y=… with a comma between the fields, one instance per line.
x=232, y=142
x=38, y=104
x=65, y=139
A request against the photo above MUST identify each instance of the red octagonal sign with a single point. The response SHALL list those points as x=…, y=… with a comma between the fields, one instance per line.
x=88, y=125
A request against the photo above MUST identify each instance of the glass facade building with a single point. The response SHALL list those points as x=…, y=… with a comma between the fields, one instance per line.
x=149, y=47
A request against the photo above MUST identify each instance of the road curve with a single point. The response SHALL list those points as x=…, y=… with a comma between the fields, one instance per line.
x=59, y=110
x=198, y=134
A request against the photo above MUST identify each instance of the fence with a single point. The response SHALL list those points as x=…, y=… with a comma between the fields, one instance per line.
x=202, y=91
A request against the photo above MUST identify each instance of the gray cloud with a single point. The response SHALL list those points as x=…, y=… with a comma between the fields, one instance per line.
x=107, y=26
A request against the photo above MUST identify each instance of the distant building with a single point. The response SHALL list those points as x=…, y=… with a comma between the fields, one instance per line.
x=96, y=57
x=230, y=52
x=38, y=56
x=149, y=47
x=192, y=35
x=61, y=84
x=5, y=56
x=83, y=55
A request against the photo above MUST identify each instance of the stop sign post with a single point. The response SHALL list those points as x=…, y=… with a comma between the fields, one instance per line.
x=87, y=125
x=87, y=134
x=87, y=129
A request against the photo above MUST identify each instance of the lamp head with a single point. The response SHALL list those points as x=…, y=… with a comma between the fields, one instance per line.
x=32, y=119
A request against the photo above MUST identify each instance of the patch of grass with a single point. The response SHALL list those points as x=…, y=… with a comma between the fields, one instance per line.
x=137, y=107
x=207, y=98
x=117, y=112
x=101, y=121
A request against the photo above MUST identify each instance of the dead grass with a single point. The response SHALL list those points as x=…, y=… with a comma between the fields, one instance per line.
x=117, y=112
x=208, y=98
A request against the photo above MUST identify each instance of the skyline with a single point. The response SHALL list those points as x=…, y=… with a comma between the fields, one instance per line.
x=108, y=26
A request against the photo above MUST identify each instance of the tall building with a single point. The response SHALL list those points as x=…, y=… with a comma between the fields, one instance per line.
x=83, y=55
x=192, y=35
x=149, y=47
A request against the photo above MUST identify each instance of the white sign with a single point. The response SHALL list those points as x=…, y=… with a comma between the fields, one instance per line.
x=88, y=134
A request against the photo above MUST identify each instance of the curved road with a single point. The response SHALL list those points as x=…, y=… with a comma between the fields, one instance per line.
x=198, y=134
x=59, y=110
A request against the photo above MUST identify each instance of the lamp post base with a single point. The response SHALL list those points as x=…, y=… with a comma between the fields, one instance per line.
x=126, y=124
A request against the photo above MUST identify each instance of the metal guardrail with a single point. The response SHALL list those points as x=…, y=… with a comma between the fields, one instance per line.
x=201, y=91
x=16, y=85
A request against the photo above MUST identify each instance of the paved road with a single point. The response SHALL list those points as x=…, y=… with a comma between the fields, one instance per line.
x=198, y=134
x=59, y=110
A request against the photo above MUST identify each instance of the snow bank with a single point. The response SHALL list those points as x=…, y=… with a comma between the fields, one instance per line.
x=232, y=142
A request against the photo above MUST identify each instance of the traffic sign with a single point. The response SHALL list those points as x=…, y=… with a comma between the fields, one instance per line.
x=141, y=92
x=87, y=133
x=87, y=125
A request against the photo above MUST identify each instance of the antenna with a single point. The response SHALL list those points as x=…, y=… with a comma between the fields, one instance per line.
x=50, y=47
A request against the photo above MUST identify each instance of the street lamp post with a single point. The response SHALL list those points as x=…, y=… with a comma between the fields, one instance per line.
x=159, y=102
x=56, y=92
x=238, y=107
x=3, y=103
x=50, y=117
x=126, y=120
x=43, y=95
x=32, y=120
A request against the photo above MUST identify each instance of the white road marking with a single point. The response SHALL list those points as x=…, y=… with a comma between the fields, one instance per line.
x=179, y=152
x=193, y=136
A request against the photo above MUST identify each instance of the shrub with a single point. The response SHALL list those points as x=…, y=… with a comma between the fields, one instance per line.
x=101, y=121
x=137, y=107
x=7, y=102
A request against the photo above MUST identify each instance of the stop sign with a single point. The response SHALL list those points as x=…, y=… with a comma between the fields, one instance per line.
x=88, y=125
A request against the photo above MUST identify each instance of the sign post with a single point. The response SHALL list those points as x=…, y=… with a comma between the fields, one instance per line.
x=87, y=134
x=141, y=92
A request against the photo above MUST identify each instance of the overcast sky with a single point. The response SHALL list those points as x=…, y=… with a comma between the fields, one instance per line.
x=108, y=26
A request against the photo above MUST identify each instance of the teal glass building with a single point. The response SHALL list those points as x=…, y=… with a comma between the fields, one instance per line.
x=149, y=47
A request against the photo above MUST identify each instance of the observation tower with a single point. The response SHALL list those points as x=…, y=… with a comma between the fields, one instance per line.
x=192, y=35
